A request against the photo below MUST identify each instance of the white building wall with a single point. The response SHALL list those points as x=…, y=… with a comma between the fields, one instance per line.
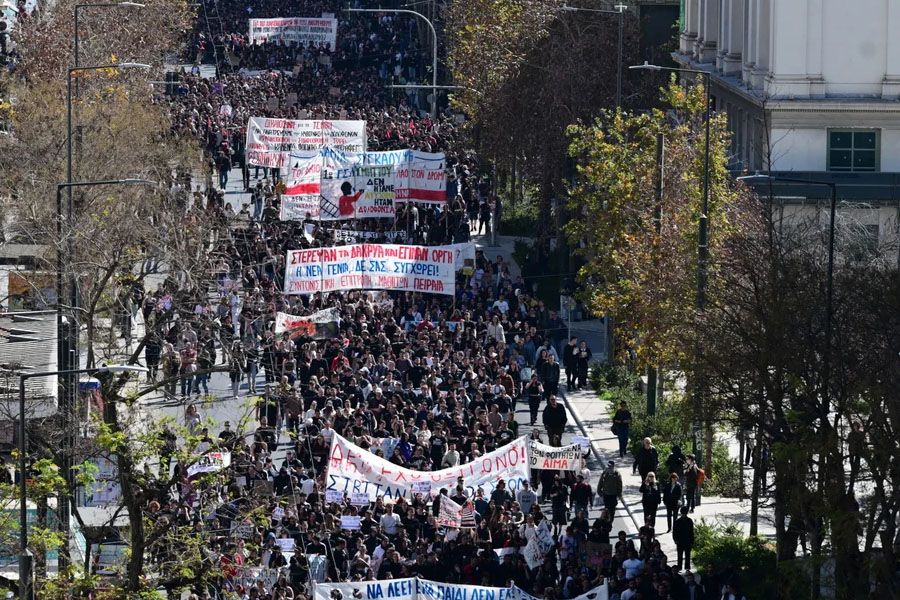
x=798, y=149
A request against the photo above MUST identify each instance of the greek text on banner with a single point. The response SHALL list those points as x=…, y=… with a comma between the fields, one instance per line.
x=429, y=269
x=567, y=458
x=354, y=469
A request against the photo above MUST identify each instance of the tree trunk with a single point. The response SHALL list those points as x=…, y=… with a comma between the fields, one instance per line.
x=757, y=484
x=709, y=439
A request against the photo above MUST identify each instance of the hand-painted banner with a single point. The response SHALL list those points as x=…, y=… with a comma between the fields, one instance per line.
x=319, y=325
x=566, y=458
x=334, y=185
x=270, y=142
x=449, y=513
x=353, y=469
x=301, y=30
x=410, y=588
x=393, y=589
x=429, y=269
x=211, y=462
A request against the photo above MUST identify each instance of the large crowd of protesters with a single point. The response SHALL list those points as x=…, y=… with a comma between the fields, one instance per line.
x=442, y=377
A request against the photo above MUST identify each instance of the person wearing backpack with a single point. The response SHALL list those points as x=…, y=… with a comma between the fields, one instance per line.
x=610, y=488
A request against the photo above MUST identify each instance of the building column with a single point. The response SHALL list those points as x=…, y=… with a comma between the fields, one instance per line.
x=689, y=35
x=731, y=61
x=789, y=42
x=762, y=44
x=750, y=28
x=708, y=35
x=890, y=87
x=724, y=32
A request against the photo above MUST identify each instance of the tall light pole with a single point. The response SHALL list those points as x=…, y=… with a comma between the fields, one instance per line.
x=434, y=61
x=68, y=387
x=25, y=559
x=703, y=237
x=620, y=10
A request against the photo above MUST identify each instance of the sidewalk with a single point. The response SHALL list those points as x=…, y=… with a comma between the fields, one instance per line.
x=593, y=416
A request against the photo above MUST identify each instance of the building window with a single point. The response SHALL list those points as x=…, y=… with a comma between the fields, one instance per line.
x=855, y=150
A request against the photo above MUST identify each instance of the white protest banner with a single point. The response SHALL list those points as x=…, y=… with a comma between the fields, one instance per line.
x=449, y=513
x=334, y=496
x=357, y=499
x=270, y=142
x=277, y=513
x=501, y=552
x=351, y=236
x=534, y=555
x=350, y=522
x=286, y=544
x=301, y=30
x=360, y=185
x=393, y=589
x=566, y=458
x=428, y=269
x=435, y=590
x=353, y=469
x=211, y=462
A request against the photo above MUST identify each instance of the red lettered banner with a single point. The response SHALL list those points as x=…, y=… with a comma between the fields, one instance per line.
x=566, y=458
x=353, y=469
x=429, y=269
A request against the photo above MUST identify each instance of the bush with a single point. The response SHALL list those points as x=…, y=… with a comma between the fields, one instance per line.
x=722, y=553
x=519, y=220
x=726, y=474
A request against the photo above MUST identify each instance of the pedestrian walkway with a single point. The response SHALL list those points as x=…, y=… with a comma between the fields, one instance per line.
x=594, y=419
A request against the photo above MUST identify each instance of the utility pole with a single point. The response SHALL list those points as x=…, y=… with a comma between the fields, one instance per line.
x=652, y=371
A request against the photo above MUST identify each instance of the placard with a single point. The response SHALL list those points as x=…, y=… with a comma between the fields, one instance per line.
x=350, y=522
x=286, y=544
x=421, y=487
x=358, y=499
x=211, y=462
x=335, y=496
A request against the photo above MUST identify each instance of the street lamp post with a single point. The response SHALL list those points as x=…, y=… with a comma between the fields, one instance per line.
x=434, y=58
x=703, y=234
x=620, y=10
x=25, y=559
x=829, y=283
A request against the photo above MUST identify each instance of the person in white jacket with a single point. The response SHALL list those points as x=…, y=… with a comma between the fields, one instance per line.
x=495, y=331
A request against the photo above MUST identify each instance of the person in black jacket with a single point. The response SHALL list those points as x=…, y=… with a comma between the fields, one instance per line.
x=647, y=458
x=582, y=360
x=550, y=376
x=683, y=535
x=671, y=497
x=555, y=420
x=534, y=391
x=650, y=498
